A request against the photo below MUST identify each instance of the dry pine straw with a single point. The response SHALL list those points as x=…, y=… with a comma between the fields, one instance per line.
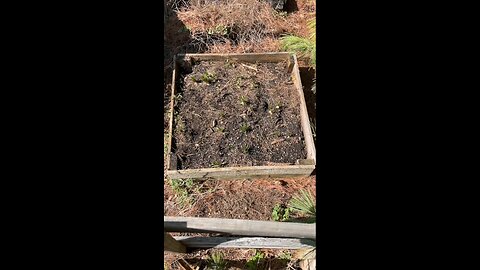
x=231, y=114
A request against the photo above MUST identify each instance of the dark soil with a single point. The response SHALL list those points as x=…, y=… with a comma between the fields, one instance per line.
x=237, y=114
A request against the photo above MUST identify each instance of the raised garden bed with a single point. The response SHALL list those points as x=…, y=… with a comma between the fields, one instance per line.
x=238, y=116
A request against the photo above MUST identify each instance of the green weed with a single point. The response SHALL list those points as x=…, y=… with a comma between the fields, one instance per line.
x=216, y=262
x=216, y=164
x=285, y=255
x=280, y=213
x=254, y=261
x=208, y=77
x=245, y=128
x=183, y=188
x=244, y=100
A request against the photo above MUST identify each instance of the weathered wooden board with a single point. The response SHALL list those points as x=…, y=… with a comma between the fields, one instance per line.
x=244, y=57
x=239, y=227
x=245, y=242
x=303, y=168
x=305, y=121
x=243, y=172
x=170, y=244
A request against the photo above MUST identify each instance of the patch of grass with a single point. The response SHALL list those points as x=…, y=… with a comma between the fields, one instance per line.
x=216, y=261
x=304, y=47
x=255, y=260
x=183, y=187
x=304, y=202
x=280, y=213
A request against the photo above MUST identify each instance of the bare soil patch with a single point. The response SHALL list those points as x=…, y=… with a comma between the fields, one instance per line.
x=237, y=114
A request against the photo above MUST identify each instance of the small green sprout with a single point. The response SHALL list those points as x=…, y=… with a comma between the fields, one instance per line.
x=208, y=77
x=245, y=128
x=244, y=100
x=216, y=164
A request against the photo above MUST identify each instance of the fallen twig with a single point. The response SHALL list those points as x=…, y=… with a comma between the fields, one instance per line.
x=249, y=67
x=277, y=141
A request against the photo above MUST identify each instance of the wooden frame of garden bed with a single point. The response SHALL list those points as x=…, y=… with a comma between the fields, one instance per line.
x=303, y=167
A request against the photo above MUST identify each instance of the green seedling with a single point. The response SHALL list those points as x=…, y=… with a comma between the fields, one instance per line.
x=183, y=188
x=243, y=100
x=208, y=77
x=256, y=85
x=245, y=128
x=280, y=213
x=285, y=255
x=196, y=80
x=178, y=97
x=218, y=30
x=216, y=262
x=180, y=124
x=216, y=164
x=277, y=108
x=230, y=63
x=254, y=261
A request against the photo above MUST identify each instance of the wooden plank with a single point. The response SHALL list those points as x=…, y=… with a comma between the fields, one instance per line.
x=171, y=244
x=172, y=165
x=243, y=172
x=245, y=242
x=305, y=162
x=239, y=227
x=305, y=121
x=247, y=57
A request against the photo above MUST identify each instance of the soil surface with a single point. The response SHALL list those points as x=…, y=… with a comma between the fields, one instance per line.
x=237, y=114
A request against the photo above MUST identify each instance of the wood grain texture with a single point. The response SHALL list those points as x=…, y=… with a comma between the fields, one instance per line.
x=246, y=57
x=245, y=242
x=239, y=227
x=305, y=121
x=243, y=172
